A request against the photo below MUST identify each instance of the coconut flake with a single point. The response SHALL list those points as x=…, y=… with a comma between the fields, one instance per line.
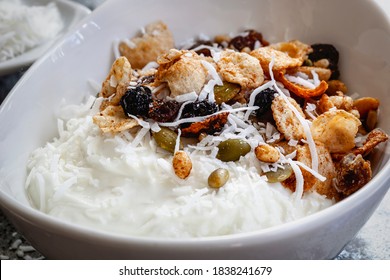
x=212, y=72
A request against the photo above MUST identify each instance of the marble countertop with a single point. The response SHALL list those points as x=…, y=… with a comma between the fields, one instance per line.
x=372, y=241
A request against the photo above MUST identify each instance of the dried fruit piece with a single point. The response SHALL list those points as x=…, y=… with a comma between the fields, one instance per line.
x=264, y=100
x=218, y=178
x=136, y=101
x=329, y=52
x=280, y=175
x=336, y=129
x=300, y=90
x=336, y=86
x=248, y=40
x=353, y=172
x=226, y=92
x=166, y=139
x=182, y=164
x=199, y=109
x=232, y=149
x=209, y=126
x=267, y=153
x=371, y=120
x=164, y=111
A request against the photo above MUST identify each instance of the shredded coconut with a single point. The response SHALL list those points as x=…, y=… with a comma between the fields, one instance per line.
x=23, y=27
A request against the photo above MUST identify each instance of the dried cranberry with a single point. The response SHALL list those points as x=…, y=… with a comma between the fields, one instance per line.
x=248, y=41
x=164, y=111
x=136, y=101
x=264, y=100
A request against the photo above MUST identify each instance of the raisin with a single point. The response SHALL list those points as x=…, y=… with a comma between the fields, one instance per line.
x=329, y=52
x=248, y=41
x=136, y=101
x=264, y=100
x=164, y=111
x=199, y=108
x=204, y=51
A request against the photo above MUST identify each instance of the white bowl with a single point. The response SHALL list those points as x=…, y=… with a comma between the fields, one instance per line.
x=359, y=29
x=71, y=13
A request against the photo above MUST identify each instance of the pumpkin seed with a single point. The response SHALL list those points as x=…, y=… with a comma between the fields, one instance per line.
x=226, y=92
x=280, y=174
x=166, y=139
x=218, y=178
x=232, y=149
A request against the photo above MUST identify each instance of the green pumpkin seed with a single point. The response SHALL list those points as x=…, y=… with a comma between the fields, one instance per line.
x=226, y=92
x=280, y=174
x=218, y=178
x=166, y=139
x=232, y=149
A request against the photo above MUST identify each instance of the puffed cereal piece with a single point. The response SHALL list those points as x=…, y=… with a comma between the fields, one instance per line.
x=240, y=68
x=113, y=119
x=336, y=129
x=342, y=102
x=294, y=48
x=156, y=41
x=286, y=120
x=113, y=88
x=182, y=164
x=282, y=60
x=183, y=71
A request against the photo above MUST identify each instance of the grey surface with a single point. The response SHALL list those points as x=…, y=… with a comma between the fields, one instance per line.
x=372, y=242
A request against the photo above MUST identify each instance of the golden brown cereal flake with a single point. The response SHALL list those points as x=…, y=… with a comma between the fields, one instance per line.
x=114, y=87
x=282, y=60
x=294, y=48
x=183, y=71
x=325, y=167
x=113, y=119
x=336, y=129
x=286, y=120
x=240, y=68
x=156, y=41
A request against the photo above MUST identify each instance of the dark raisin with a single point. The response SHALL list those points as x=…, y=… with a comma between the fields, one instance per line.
x=136, y=101
x=321, y=51
x=204, y=51
x=164, y=111
x=264, y=100
x=248, y=41
x=198, y=109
